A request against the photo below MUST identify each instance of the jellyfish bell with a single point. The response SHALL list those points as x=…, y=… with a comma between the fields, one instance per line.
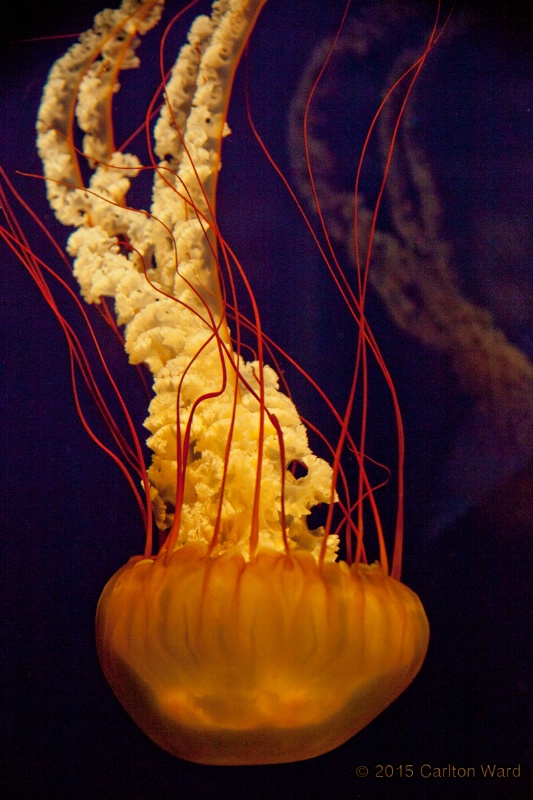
x=275, y=659
x=243, y=640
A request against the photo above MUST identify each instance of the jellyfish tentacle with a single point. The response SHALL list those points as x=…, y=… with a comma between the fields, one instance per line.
x=413, y=267
x=84, y=71
x=99, y=81
x=165, y=281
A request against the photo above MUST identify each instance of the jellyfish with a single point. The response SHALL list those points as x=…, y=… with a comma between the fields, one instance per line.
x=244, y=637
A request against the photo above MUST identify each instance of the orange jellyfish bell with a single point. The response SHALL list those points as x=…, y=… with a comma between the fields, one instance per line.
x=244, y=640
x=223, y=661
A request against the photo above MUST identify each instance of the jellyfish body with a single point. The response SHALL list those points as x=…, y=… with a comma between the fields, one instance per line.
x=224, y=661
x=243, y=640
